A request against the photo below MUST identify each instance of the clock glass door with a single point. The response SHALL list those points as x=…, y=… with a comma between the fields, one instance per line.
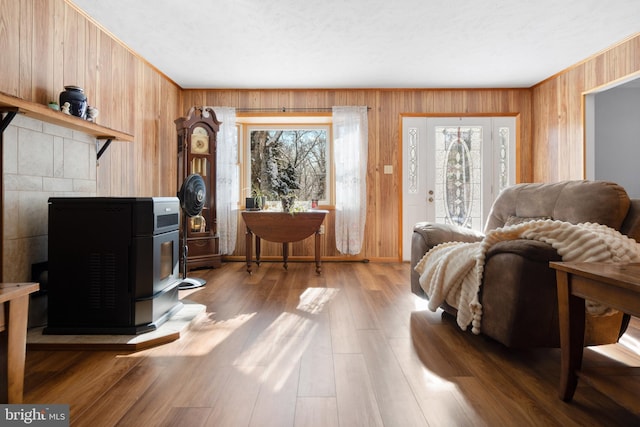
x=200, y=141
x=200, y=164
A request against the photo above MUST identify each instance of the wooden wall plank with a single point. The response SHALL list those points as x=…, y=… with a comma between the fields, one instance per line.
x=92, y=71
x=9, y=40
x=167, y=143
x=42, y=53
x=25, y=21
x=70, y=58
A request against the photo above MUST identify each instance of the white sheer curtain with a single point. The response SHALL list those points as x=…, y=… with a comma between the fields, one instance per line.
x=350, y=133
x=227, y=178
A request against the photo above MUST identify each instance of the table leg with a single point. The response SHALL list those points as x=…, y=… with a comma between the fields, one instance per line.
x=318, y=268
x=285, y=253
x=249, y=248
x=571, y=316
x=16, y=348
x=258, y=250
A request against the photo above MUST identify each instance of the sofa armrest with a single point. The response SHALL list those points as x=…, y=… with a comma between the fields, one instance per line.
x=434, y=234
x=519, y=299
x=426, y=235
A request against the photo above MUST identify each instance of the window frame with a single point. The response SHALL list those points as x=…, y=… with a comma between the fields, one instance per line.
x=246, y=122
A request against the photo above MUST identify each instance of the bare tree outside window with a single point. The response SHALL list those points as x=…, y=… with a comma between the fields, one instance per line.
x=273, y=150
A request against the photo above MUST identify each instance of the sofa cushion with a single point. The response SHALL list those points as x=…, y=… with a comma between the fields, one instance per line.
x=578, y=201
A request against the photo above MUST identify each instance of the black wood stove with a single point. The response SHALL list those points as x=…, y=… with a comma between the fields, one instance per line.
x=113, y=264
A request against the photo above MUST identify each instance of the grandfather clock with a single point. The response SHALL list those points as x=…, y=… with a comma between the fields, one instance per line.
x=197, y=155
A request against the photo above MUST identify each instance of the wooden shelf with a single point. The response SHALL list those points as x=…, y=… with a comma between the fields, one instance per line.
x=46, y=114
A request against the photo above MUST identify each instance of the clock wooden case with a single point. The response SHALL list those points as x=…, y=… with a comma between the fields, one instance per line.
x=197, y=137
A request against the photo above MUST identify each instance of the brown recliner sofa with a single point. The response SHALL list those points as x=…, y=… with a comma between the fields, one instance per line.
x=518, y=292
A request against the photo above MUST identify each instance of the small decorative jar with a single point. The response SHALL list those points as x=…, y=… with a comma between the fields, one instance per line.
x=77, y=100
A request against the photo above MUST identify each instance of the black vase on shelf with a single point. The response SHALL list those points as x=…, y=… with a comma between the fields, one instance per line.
x=77, y=100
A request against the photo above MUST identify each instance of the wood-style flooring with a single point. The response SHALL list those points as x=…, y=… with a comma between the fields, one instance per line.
x=350, y=347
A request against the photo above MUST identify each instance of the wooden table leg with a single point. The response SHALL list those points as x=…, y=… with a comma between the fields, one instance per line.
x=571, y=316
x=285, y=254
x=318, y=268
x=258, y=250
x=16, y=349
x=249, y=249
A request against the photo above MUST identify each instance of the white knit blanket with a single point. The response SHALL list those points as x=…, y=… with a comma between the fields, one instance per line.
x=452, y=271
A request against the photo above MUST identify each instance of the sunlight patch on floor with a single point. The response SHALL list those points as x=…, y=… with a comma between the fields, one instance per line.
x=313, y=300
x=275, y=353
x=420, y=304
x=211, y=332
x=435, y=382
x=631, y=343
x=626, y=351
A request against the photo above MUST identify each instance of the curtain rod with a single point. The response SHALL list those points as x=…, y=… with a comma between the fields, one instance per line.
x=287, y=110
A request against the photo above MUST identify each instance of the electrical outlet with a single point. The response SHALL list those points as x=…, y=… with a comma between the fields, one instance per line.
x=388, y=169
x=321, y=231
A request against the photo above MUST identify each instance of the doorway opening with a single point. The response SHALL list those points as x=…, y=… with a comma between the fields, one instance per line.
x=612, y=144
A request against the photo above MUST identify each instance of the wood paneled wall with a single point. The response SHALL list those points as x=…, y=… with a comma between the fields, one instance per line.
x=387, y=107
x=47, y=44
x=558, y=116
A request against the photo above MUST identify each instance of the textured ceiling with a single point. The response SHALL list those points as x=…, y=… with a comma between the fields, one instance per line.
x=364, y=43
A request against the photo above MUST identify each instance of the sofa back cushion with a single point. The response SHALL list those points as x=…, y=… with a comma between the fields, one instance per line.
x=631, y=224
x=599, y=202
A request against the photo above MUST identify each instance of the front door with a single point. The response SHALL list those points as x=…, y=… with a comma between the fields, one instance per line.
x=453, y=168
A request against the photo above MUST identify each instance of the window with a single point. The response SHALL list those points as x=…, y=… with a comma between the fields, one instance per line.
x=274, y=143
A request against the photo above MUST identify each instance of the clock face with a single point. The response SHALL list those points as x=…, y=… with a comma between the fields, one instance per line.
x=199, y=141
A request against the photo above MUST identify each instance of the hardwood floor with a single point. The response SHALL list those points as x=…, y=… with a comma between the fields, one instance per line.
x=349, y=347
